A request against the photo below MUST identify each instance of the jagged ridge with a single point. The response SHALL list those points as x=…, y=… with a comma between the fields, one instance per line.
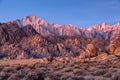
x=27, y=41
x=102, y=31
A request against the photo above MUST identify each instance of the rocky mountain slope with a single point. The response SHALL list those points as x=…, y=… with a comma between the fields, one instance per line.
x=102, y=31
x=32, y=37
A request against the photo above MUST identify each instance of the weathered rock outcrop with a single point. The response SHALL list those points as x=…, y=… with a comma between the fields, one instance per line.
x=114, y=45
x=32, y=45
x=25, y=41
x=117, y=51
x=91, y=50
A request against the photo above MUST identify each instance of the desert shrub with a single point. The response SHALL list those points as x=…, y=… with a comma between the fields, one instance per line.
x=21, y=73
x=1, y=68
x=32, y=77
x=65, y=77
x=99, y=72
x=115, y=76
x=107, y=75
x=47, y=78
x=78, y=78
x=9, y=69
x=77, y=72
x=76, y=66
x=35, y=76
x=13, y=77
x=67, y=69
x=4, y=75
x=18, y=67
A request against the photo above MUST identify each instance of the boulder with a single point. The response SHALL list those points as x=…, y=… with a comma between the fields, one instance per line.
x=91, y=50
x=111, y=49
x=117, y=51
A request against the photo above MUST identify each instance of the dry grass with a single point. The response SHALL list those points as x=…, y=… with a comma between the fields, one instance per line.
x=19, y=62
x=34, y=69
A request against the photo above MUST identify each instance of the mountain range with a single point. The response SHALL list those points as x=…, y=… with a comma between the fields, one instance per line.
x=32, y=37
x=101, y=31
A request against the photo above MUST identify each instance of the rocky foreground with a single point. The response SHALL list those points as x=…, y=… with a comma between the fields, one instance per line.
x=102, y=67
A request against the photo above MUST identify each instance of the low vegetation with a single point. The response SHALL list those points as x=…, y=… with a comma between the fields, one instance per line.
x=33, y=69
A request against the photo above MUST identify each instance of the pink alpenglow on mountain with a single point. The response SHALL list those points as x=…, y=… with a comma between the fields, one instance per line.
x=102, y=31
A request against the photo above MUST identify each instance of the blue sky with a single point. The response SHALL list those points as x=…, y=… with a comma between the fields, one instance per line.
x=79, y=13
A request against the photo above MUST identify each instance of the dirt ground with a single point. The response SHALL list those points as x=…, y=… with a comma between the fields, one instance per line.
x=38, y=69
